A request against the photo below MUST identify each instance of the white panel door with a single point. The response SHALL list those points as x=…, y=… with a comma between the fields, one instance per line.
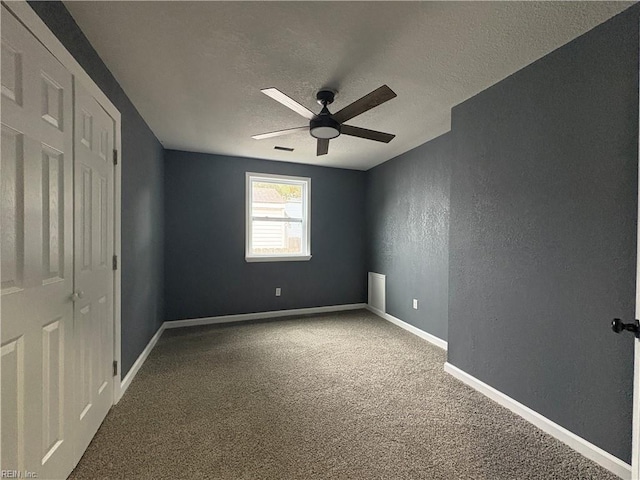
x=36, y=257
x=93, y=170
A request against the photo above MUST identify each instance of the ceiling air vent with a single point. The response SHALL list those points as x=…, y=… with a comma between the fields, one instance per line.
x=284, y=149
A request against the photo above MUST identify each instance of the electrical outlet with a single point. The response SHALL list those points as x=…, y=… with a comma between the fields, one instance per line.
x=278, y=291
x=415, y=303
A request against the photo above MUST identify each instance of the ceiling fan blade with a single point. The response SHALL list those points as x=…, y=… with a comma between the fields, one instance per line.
x=279, y=133
x=323, y=146
x=278, y=96
x=373, y=99
x=368, y=134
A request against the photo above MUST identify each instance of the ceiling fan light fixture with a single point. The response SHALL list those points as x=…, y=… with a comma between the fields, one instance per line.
x=324, y=132
x=324, y=127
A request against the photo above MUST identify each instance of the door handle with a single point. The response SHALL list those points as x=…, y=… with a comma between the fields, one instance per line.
x=77, y=295
x=617, y=326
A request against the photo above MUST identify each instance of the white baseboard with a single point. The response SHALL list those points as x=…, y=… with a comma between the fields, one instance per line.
x=139, y=361
x=438, y=342
x=244, y=317
x=579, y=444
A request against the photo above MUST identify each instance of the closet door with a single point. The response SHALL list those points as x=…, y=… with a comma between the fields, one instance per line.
x=36, y=257
x=94, y=278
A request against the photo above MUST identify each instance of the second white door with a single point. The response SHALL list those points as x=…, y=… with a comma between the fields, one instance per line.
x=93, y=269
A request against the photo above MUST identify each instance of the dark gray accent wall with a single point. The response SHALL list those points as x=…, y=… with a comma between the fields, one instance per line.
x=543, y=234
x=142, y=193
x=205, y=270
x=407, y=210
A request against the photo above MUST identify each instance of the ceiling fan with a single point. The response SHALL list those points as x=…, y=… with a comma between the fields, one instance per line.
x=325, y=125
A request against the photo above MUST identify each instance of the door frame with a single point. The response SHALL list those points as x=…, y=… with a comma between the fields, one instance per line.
x=30, y=19
x=635, y=442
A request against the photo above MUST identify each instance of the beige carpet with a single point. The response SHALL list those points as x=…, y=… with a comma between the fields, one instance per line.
x=345, y=396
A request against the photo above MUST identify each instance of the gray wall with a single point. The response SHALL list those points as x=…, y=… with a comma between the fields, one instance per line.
x=543, y=234
x=206, y=273
x=142, y=193
x=407, y=209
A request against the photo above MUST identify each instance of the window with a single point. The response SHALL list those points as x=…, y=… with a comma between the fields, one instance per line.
x=278, y=218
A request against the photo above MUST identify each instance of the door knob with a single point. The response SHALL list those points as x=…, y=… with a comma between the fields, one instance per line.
x=617, y=326
x=77, y=295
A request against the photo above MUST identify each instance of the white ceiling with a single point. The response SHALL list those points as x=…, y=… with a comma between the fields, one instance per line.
x=194, y=70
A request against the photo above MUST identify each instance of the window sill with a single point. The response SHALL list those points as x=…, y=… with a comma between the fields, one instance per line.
x=281, y=258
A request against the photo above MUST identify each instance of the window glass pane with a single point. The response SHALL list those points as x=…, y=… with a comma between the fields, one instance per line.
x=276, y=238
x=276, y=200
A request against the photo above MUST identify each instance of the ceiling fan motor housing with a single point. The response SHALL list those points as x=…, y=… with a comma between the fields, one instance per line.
x=323, y=125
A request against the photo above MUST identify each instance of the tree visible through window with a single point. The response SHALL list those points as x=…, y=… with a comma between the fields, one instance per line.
x=277, y=218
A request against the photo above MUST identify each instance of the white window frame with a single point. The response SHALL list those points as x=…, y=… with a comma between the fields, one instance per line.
x=305, y=183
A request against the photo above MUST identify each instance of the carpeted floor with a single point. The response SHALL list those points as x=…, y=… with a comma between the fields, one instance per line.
x=345, y=396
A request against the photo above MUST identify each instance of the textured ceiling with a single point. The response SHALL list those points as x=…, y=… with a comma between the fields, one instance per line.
x=194, y=70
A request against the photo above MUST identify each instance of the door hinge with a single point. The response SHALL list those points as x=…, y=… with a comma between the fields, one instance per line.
x=115, y=368
x=115, y=157
x=115, y=262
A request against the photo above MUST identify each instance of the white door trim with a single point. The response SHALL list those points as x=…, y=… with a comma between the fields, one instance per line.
x=40, y=30
x=635, y=448
x=635, y=444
